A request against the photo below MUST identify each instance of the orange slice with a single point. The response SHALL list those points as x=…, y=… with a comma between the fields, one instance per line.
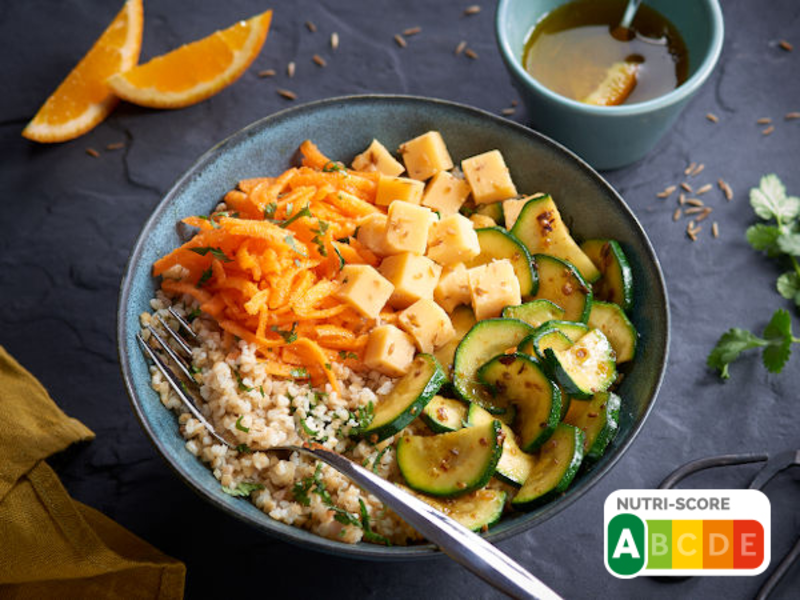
x=617, y=86
x=194, y=71
x=84, y=99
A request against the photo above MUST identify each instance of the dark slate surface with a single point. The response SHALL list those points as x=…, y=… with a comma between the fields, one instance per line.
x=69, y=220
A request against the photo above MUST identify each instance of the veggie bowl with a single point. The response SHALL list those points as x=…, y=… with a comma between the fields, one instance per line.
x=452, y=355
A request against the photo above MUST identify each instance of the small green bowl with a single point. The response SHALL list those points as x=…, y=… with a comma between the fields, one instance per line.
x=609, y=137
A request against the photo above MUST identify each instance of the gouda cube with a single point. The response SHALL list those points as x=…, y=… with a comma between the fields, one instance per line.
x=426, y=155
x=492, y=287
x=428, y=324
x=512, y=208
x=389, y=350
x=445, y=193
x=407, y=228
x=481, y=221
x=372, y=233
x=453, y=240
x=488, y=177
x=378, y=158
x=413, y=277
x=453, y=287
x=398, y=188
x=364, y=289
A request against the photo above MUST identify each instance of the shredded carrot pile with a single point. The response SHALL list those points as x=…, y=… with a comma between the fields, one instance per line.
x=266, y=267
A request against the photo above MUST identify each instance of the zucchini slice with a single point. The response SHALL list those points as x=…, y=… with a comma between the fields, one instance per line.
x=612, y=321
x=450, y=464
x=405, y=402
x=545, y=338
x=485, y=340
x=514, y=465
x=555, y=467
x=520, y=381
x=561, y=283
x=540, y=227
x=462, y=319
x=445, y=414
x=477, y=511
x=616, y=284
x=598, y=419
x=493, y=210
x=497, y=243
x=534, y=313
x=585, y=368
x=572, y=329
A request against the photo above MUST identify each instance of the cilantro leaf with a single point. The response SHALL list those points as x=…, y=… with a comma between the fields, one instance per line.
x=340, y=257
x=269, y=210
x=244, y=489
x=204, y=277
x=303, y=212
x=242, y=386
x=215, y=252
x=193, y=315
x=292, y=243
x=288, y=336
x=789, y=243
x=763, y=237
x=778, y=334
x=732, y=343
x=789, y=286
x=299, y=373
x=241, y=427
x=769, y=200
x=334, y=167
x=243, y=449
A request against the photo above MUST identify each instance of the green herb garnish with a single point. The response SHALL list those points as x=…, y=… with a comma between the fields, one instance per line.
x=244, y=489
x=204, y=277
x=377, y=462
x=288, y=336
x=334, y=167
x=318, y=238
x=299, y=373
x=289, y=239
x=215, y=252
x=363, y=417
x=340, y=257
x=240, y=382
x=241, y=427
x=345, y=355
x=303, y=212
x=193, y=315
x=243, y=449
x=269, y=210
x=210, y=219
x=370, y=535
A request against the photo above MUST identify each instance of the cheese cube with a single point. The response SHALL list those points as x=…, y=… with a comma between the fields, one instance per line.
x=492, y=287
x=481, y=221
x=372, y=233
x=445, y=193
x=453, y=287
x=426, y=155
x=407, y=228
x=378, y=158
x=364, y=289
x=488, y=177
x=453, y=240
x=398, y=188
x=413, y=276
x=389, y=350
x=512, y=208
x=428, y=324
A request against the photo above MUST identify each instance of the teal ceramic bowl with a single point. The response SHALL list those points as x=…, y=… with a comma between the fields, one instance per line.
x=608, y=137
x=342, y=127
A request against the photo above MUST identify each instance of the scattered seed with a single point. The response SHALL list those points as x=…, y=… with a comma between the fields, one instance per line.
x=508, y=111
x=400, y=41
x=115, y=146
x=311, y=27
x=712, y=117
x=287, y=94
x=334, y=40
x=695, y=202
x=706, y=188
x=786, y=45
x=267, y=73
x=290, y=69
x=682, y=199
x=715, y=229
x=792, y=115
x=695, y=210
x=469, y=52
x=687, y=187
x=460, y=48
x=92, y=152
x=764, y=121
x=474, y=10
x=726, y=189
x=697, y=170
x=516, y=102
x=412, y=31
x=667, y=191
x=768, y=130
x=691, y=232
x=704, y=215
x=319, y=60
x=690, y=168
x=677, y=214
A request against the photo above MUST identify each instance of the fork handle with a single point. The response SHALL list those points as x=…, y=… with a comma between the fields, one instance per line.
x=455, y=540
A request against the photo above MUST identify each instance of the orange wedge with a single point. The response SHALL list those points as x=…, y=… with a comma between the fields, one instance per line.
x=194, y=71
x=617, y=85
x=83, y=99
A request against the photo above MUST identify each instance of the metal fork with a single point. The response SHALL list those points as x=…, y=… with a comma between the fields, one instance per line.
x=455, y=540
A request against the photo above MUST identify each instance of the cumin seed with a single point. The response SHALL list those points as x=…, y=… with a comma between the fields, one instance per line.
x=287, y=94
x=764, y=121
x=667, y=191
x=474, y=10
x=712, y=117
x=412, y=31
x=469, y=52
x=792, y=115
x=697, y=170
x=685, y=186
x=715, y=229
x=508, y=111
x=267, y=73
x=786, y=45
x=460, y=48
x=514, y=102
x=400, y=41
x=704, y=215
x=115, y=146
x=92, y=152
x=334, y=40
x=695, y=202
x=677, y=214
x=768, y=130
x=689, y=169
x=695, y=210
x=726, y=189
x=290, y=69
x=311, y=27
x=703, y=189
x=682, y=199
x=319, y=60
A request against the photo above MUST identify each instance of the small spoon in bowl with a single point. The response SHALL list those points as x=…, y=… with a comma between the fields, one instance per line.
x=623, y=31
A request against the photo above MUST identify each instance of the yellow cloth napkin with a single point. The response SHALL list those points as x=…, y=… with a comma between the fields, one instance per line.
x=52, y=546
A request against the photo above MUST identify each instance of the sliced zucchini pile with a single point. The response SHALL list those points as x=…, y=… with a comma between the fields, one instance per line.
x=514, y=464
x=598, y=419
x=562, y=284
x=476, y=511
x=617, y=327
x=585, y=368
x=445, y=414
x=497, y=243
x=534, y=313
x=616, y=282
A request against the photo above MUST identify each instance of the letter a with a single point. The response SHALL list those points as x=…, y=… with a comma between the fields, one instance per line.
x=626, y=545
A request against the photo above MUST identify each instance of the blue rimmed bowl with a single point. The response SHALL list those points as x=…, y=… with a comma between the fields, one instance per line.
x=342, y=127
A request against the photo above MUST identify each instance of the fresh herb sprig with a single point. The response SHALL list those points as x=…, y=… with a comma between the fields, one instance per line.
x=215, y=252
x=244, y=489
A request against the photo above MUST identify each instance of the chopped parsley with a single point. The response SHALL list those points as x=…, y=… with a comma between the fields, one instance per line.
x=206, y=275
x=363, y=417
x=344, y=355
x=215, y=252
x=303, y=212
x=210, y=219
x=269, y=210
x=299, y=373
x=328, y=366
x=289, y=239
x=377, y=462
x=193, y=315
x=288, y=336
x=319, y=236
x=370, y=535
x=240, y=382
x=244, y=489
x=334, y=167
x=243, y=449
x=261, y=390
x=241, y=427
x=341, y=258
